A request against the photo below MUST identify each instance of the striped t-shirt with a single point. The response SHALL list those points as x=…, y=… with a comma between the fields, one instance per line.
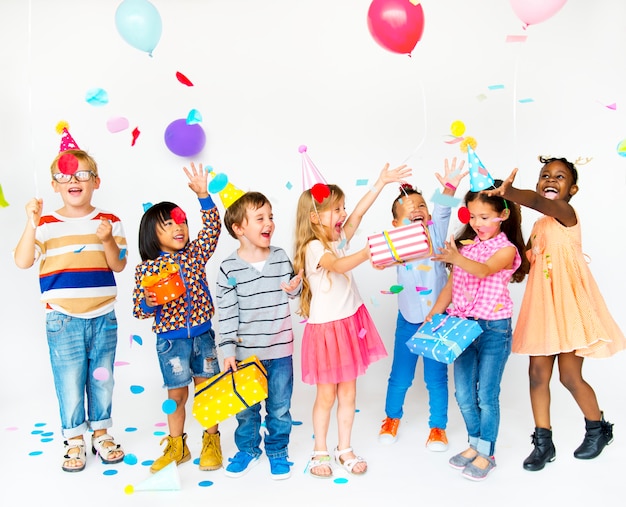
x=73, y=273
x=254, y=312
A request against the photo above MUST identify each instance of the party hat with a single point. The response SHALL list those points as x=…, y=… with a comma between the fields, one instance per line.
x=310, y=174
x=228, y=192
x=480, y=179
x=67, y=141
x=166, y=479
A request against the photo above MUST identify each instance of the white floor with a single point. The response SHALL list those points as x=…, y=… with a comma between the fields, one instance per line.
x=31, y=445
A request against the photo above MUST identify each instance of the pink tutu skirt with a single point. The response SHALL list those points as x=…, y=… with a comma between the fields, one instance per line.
x=340, y=350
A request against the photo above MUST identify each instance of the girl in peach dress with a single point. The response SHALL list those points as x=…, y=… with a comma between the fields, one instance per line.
x=563, y=314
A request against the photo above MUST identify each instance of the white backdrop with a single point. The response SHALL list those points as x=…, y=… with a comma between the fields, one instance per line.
x=270, y=76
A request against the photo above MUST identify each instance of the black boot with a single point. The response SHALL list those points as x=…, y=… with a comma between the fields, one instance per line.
x=544, y=451
x=598, y=435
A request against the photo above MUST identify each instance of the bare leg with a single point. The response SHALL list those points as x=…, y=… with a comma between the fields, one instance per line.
x=324, y=401
x=346, y=404
x=540, y=373
x=570, y=371
x=176, y=420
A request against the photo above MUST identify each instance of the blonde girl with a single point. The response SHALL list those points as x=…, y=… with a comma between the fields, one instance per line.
x=340, y=339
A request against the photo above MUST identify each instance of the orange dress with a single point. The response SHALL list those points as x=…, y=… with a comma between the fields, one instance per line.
x=562, y=309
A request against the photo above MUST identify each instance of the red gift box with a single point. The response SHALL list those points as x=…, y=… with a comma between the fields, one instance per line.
x=402, y=244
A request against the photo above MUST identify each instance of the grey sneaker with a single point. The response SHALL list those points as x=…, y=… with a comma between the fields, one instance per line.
x=459, y=461
x=473, y=473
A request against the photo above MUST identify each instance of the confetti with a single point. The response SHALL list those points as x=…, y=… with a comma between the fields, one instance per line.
x=136, y=133
x=183, y=79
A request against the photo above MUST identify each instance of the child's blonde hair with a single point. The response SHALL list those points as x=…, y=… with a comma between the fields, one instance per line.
x=307, y=231
x=81, y=155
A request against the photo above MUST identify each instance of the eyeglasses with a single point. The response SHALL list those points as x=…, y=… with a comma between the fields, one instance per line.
x=79, y=175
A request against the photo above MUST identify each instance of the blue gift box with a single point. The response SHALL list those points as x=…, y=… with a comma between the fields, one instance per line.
x=444, y=338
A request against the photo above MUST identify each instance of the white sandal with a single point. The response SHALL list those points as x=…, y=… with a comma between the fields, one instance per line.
x=320, y=459
x=74, y=448
x=349, y=464
x=104, y=451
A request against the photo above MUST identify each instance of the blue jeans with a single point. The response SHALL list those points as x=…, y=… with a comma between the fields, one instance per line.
x=277, y=418
x=403, y=373
x=477, y=377
x=77, y=347
x=182, y=359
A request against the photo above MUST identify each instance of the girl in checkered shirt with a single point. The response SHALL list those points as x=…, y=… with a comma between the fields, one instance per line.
x=484, y=258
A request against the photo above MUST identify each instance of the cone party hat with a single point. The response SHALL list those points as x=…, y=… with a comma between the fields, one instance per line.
x=220, y=185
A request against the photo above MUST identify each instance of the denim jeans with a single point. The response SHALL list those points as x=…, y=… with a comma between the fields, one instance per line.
x=477, y=377
x=181, y=359
x=403, y=373
x=77, y=348
x=277, y=418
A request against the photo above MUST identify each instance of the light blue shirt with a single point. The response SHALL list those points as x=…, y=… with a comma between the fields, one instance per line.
x=414, y=304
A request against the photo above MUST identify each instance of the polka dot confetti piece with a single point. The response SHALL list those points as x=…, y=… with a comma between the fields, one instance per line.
x=342, y=244
x=362, y=333
x=395, y=289
x=425, y=292
x=97, y=97
x=296, y=423
x=136, y=389
x=169, y=406
x=110, y=472
x=205, y=484
x=129, y=490
x=117, y=124
x=101, y=374
x=232, y=281
x=130, y=459
x=340, y=480
x=135, y=338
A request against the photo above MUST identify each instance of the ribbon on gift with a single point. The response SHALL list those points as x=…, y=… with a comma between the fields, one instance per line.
x=394, y=252
x=230, y=372
x=392, y=248
x=440, y=337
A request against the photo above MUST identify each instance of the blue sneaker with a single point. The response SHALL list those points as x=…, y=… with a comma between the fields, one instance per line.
x=280, y=468
x=240, y=464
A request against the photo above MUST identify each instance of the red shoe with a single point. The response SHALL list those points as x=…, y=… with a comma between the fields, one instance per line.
x=437, y=440
x=389, y=431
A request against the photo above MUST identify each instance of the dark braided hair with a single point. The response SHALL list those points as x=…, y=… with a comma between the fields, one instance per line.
x=572, y=168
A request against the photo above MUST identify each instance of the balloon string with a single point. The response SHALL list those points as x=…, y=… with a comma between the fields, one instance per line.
x=30, y=96
x=515, y=73
x=425, y=125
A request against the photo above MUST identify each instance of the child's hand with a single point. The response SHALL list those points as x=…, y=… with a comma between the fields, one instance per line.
x=34, y=209
x=105, y=230
x=151, y=298
x=198, y=180
x=449, y=253
x=399, y=174
x=502, y=189
x=293, y=283
x=452, y=175
x=230, y=363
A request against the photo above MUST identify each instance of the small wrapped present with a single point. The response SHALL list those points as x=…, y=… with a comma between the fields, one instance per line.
x=167, y=284
x=228, y=393
x=402, y=244
x=444, y=338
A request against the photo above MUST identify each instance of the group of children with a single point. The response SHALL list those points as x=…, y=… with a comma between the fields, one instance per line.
x=79, y=247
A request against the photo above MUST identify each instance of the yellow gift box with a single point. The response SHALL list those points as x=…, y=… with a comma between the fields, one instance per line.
x=228, y=393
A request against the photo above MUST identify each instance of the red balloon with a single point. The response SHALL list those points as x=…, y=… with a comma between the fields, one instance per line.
x=397, y=25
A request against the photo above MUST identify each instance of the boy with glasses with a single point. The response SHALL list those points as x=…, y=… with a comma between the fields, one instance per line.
x=78, y=247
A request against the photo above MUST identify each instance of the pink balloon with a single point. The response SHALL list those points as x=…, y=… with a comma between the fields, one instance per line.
x=396, y=25
x=532, y=12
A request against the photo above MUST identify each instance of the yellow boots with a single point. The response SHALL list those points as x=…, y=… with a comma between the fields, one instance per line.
x=177, y=450
x=211, y=455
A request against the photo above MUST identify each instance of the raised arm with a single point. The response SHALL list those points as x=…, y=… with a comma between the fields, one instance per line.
x=386, y=176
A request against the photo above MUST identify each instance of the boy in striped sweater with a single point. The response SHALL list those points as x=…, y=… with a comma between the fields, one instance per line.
x=79, y=247
x=254, y=286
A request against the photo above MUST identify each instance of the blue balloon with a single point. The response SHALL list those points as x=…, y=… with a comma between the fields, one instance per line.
x=139, y=24
x=183, y=139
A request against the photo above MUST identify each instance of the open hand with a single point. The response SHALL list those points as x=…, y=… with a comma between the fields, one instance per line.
x=452, y=175
x=198, y=180
x=293, y=283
